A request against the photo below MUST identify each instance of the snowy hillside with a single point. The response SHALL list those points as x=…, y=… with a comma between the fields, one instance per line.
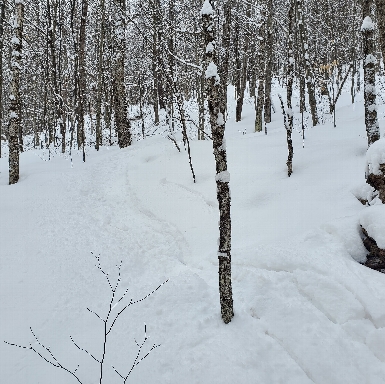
x=305, y=310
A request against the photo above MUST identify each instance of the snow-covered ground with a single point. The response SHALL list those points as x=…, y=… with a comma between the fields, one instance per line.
x=305, y=310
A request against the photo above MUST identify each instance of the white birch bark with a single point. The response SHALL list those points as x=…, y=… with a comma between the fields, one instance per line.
x=217, y=107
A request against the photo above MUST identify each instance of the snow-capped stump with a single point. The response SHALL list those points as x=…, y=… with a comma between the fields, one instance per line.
x=375, y=160
x=372, y=222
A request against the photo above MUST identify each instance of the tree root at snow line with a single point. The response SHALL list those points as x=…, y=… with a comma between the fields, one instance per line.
x=376, y=258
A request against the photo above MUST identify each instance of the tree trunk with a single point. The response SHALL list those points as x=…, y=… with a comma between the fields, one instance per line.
x=216, y=104
x=306, y=72
x=226, y=34
x=290, y=76
x=380, y=5
x=122, y=124
x=2, y=19
x=98, y=140
x=269, y=62
x=371, y=121
x=55, y=75
x=243, y=74
x=14, y=109
x=155, y=69
x=261, y=77
x=82, y=76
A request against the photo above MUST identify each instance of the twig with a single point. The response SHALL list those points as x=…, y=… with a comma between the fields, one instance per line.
x=56, y=362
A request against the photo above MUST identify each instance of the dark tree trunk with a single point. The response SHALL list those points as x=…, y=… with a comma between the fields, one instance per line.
x=82, y=76
x=122, y=124
x=243, y=73
x=259, y=100
x=2, y=19
x=14, y=109
x=290, y=76
x=380, y=5
x=98, y=140
x=269, y=62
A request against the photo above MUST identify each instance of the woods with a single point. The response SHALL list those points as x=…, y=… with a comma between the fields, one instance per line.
x=120, y=124
x=84, y=74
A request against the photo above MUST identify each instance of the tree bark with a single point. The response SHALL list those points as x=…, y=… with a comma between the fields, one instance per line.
x=243, y=74
x=55, y=75
x=380, y=5
x=82, y=76
x=290, y=76
x=122, y=124
x=226, y=35
x=216, y=104
x=371, y=121
x=98, y=140
x=14, y=109
x=2, y=19
x=261, y=77
x=269, y=62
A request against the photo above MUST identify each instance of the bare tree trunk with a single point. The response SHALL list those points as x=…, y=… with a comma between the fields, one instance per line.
x=55, y=75
x=269, y=62
x=82, y=75
x=122, y=124
x=14, y=109
x=243, y=74
x=259, y=100
x=216, y=104
x=290, y=75
x=380, y=5
x=98, y=140
x=155, y=69
x=2, y=19
x=201, y=92
x=371, y=121
x=226, y=34
x=306, y=72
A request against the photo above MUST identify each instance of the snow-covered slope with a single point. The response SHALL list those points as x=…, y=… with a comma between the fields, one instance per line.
x=305, y=310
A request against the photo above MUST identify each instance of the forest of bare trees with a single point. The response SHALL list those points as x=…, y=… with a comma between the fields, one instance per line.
x=65, y=61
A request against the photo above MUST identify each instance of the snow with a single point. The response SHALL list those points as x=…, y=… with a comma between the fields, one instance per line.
x=220, y=119
x=305, y=310
x=210, y=47
x=223, y=177
x=373, y=220
x=370, y=59
x=367, y=24
x=211, y=70
x=207, y=9
x=15, y=40
x=375, y=156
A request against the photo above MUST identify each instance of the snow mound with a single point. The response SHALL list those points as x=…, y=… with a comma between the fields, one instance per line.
x=373, y=220
x=375, y=156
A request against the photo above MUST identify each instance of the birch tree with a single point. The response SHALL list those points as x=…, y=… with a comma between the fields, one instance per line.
x=217, y=106
x=371, y=121
x=14, y=108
